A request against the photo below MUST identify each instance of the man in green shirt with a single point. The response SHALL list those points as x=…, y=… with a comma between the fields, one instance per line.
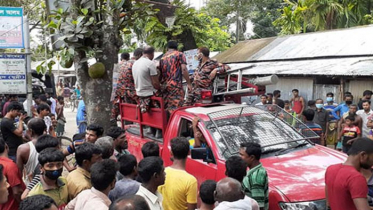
x=51, y=182
x=255, y=183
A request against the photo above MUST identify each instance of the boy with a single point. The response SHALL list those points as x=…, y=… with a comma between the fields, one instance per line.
x=311, y=127
x=350, y=133
x=289, y=115
x=51, y=182
x=255, y=183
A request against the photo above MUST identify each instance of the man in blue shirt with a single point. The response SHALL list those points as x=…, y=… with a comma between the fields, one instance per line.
x=344, y=107
x=81, y=120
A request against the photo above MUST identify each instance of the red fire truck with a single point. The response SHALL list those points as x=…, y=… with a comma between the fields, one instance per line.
x=295, y=165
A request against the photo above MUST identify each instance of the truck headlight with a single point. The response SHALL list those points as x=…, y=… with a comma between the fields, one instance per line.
x=311, y=205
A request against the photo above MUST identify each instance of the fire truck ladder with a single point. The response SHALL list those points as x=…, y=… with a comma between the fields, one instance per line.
x=236, y=83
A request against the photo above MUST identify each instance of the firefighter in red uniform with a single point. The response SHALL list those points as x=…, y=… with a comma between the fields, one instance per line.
x=126, y=84
x=204, y=75
x=173, y=68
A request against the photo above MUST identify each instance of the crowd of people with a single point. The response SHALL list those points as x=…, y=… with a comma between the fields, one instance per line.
x=337, y=125
x=107, y=176
x=104, y=175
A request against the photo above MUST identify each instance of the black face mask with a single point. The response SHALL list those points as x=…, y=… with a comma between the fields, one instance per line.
x=53, y=174
x=348, y=102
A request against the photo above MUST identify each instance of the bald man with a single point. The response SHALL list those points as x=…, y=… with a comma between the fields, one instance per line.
x=229, y=195
x=130, y=202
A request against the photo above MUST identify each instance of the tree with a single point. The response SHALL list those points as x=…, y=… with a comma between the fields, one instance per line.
x=260, y=12
x=325, y=14
x=91, y=28
x=204, y=29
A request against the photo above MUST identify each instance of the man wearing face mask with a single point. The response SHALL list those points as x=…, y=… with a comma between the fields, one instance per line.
x=332, y=132
x=321, y=117
x=367, y=95
x=345, y=186
x=51, y=182
x=344, y=107
x=204, y=75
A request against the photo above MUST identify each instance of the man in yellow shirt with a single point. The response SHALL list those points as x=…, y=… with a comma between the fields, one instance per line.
x=180, y=188
x=51, y=182
x=80, y=179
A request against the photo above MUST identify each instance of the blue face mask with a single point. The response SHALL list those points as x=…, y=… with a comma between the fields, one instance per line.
x=319, y=106
x=329, y=99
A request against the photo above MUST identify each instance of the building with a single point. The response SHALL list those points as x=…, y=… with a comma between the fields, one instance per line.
x=315, y=63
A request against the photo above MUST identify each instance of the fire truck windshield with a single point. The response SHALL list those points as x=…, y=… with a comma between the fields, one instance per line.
x=230, y=128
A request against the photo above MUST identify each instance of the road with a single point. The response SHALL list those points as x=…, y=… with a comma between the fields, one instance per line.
x=70, y=126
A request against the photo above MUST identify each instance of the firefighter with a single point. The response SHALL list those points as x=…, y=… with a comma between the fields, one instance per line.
x=173, y=68
x=204, y=75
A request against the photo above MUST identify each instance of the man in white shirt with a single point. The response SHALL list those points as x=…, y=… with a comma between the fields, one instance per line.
x=263, y=100
x=151, y=171
x=364, y=114
x=54, y=103
x=103, y=180
x=145, y=76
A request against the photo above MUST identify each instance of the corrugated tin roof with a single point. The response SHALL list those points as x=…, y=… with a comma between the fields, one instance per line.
x=358, y=66
x=352, y=41
x=243, y=50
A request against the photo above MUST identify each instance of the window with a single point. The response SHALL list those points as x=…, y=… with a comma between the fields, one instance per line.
x=186, y=130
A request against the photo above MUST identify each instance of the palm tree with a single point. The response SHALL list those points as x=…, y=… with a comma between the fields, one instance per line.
x=326, y=13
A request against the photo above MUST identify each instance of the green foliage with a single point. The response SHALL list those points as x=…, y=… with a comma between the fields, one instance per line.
x=291, y=20
x=318, y=15
x=205, y=29
x=83, y=31
x=260, y=12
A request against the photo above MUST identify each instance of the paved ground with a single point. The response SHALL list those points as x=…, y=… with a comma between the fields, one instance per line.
x=70, y=126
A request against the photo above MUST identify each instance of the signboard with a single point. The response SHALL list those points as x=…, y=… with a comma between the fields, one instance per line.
x=192, y=60
x=12, y=74
x=11, y=27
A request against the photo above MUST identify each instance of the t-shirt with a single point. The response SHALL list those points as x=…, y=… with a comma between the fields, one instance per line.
x=142, y=70
x=348, y=134
x=5, y=107
x=280, y=103
x=60, y=194
x=8, y=126
x=344, y=183
x=179, y=189
x=330, y=109
x=13, y=177
x=364, y=116
x=255, y=185
x=77, y=181
x=81, y=115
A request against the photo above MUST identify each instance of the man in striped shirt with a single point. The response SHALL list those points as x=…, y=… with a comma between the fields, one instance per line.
x=255, y=183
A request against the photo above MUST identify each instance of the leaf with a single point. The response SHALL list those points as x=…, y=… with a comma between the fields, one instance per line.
x=52, y=25
x=84, y=60
x=84, y=11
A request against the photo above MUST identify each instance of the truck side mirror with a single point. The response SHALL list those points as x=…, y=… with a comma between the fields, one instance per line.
x=199, y=153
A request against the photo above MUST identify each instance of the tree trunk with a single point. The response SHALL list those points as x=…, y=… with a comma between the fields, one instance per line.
x=97, y=92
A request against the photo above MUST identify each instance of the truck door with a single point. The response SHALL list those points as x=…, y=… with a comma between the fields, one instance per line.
x=200, y=169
